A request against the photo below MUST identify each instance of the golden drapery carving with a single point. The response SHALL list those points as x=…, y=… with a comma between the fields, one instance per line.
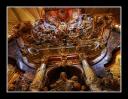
x=16, y=15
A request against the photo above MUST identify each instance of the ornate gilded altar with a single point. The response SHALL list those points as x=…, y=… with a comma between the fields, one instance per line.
x=63, y=49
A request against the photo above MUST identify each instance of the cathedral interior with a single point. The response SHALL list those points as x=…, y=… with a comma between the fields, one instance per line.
x=63, y=49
